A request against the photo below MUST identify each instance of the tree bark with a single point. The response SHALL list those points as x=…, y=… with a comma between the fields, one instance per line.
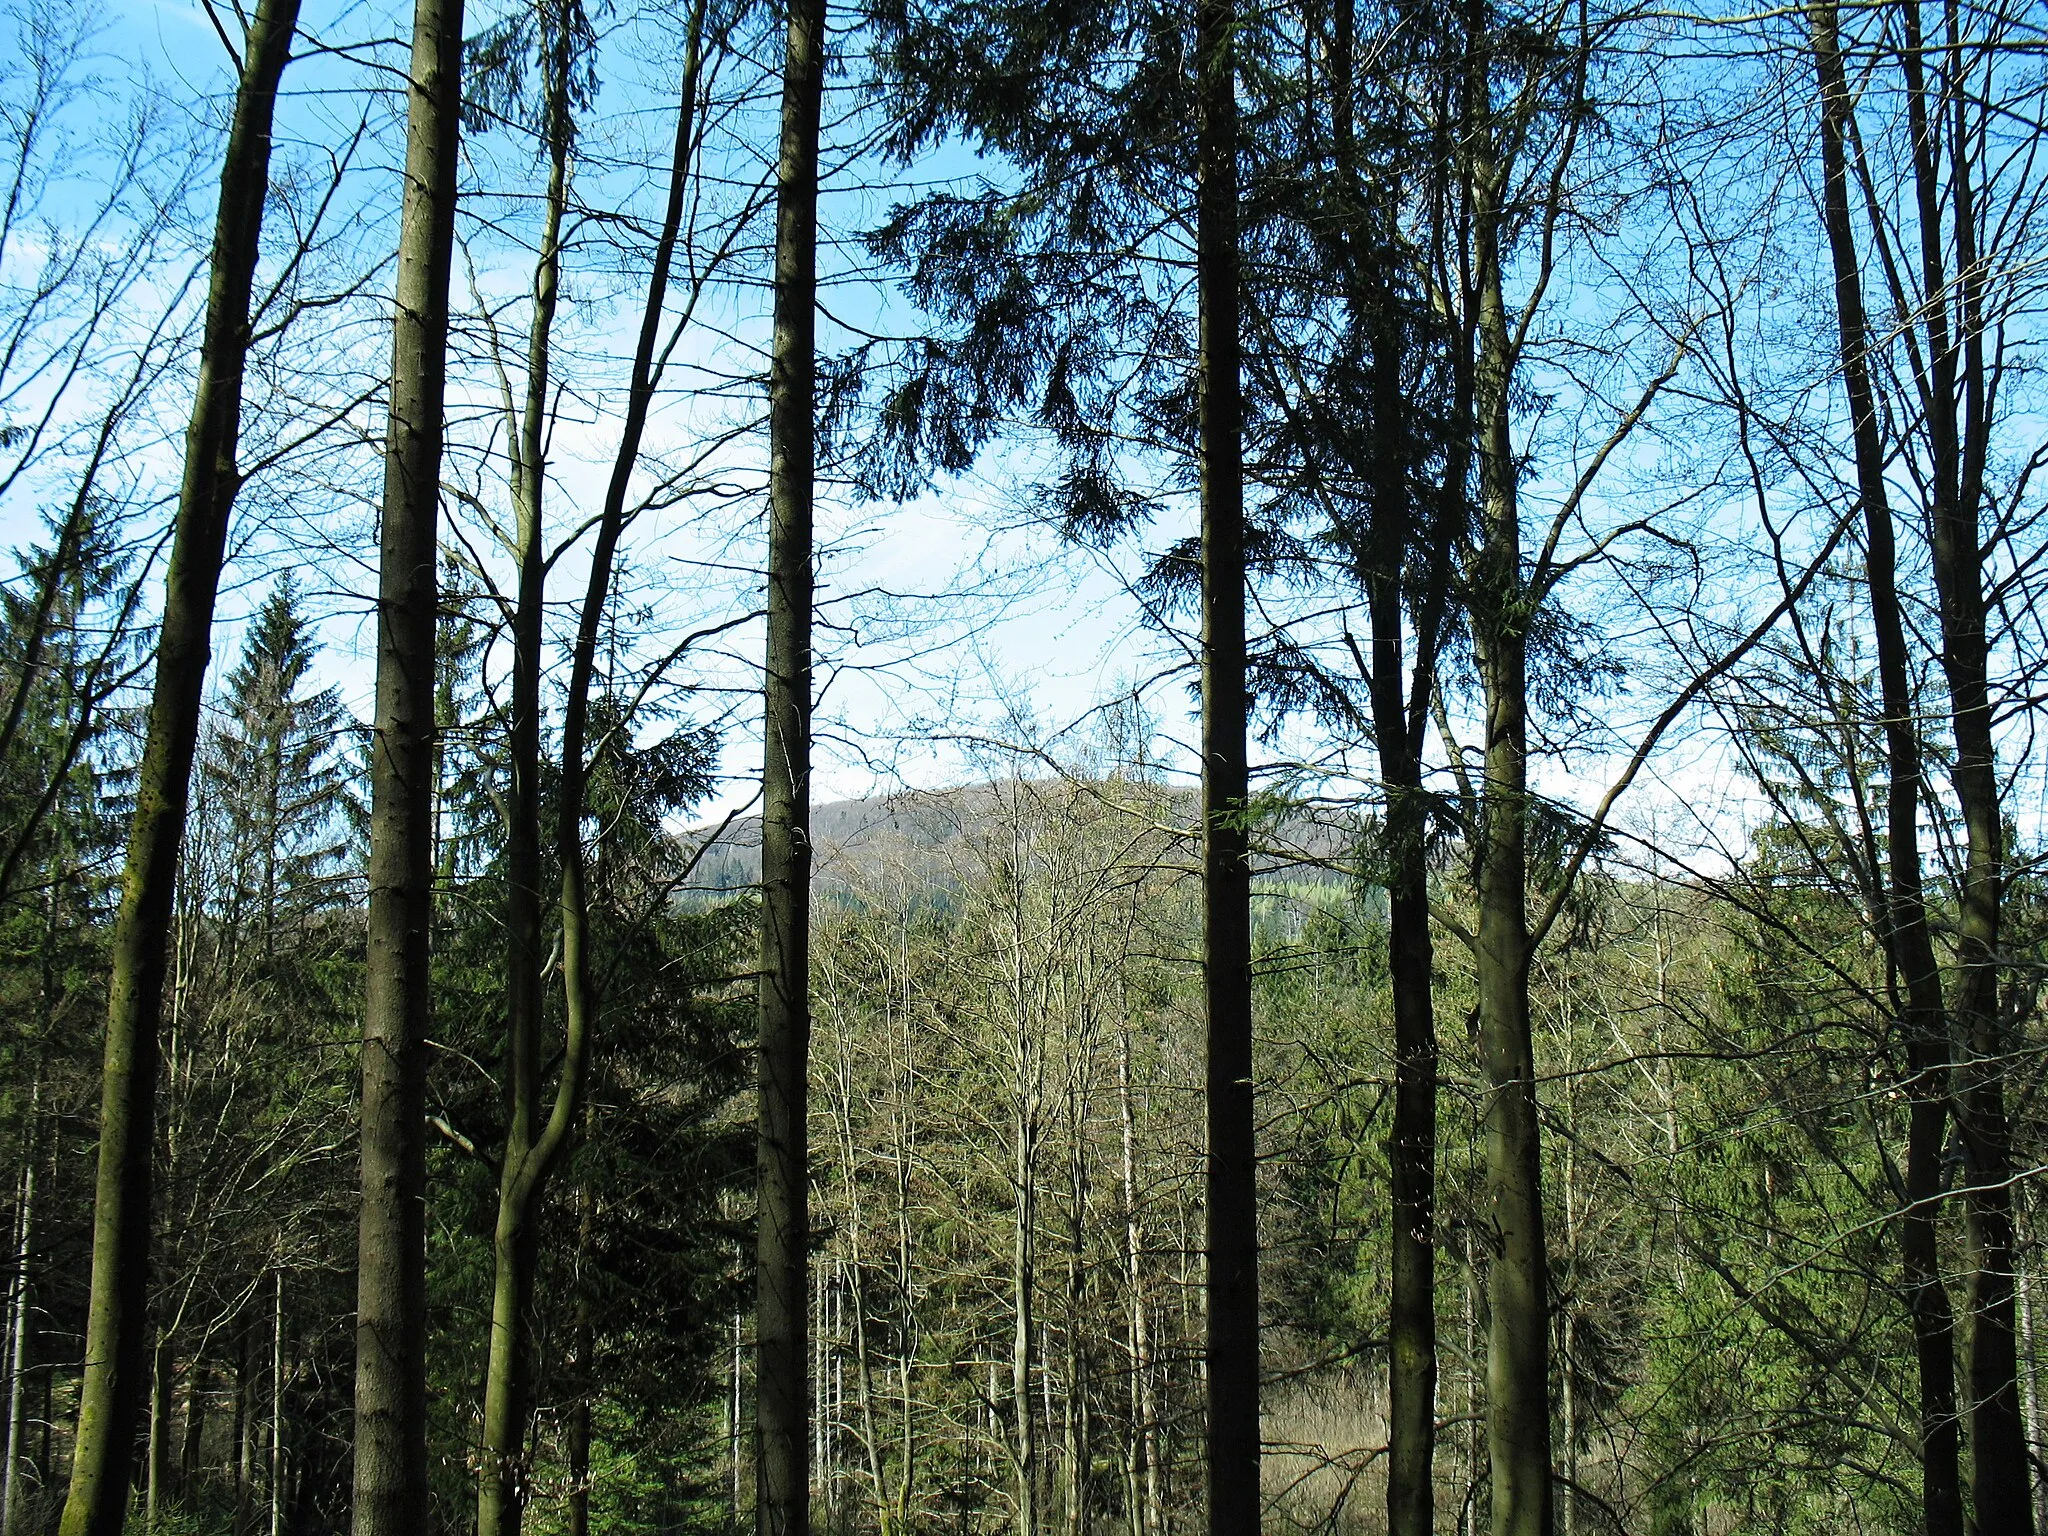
x=20, y=1323
x=1411, y=1322
x=1232, y=1240
x=391, y=1388
x=1907, y=939
x=1143, y=1477
x=1399, y=703
x=1024, y=1285
x=1518, y=1311
x=583, y=1341
x=198, y=1383
x=2001, y=1482
x=782, y=1439
x=117, y=1339
x=502, y=1481
x=277, y=1420
x=156, y=1487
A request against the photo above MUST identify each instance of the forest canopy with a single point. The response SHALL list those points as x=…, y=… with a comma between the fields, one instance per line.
x=1070, y=770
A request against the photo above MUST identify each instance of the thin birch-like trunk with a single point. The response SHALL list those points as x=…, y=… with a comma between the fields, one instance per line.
x=19, y=1323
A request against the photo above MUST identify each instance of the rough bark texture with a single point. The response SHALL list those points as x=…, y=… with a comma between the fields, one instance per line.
x=1232, y=1172
x=391, y=1343
x=114, y=1390
x=1907, y=937
x=782, y=1439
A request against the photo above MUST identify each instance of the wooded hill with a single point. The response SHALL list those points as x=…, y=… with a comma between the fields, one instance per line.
x=1517, y=1009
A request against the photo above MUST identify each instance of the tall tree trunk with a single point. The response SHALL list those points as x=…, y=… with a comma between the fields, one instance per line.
x=391, y=1300
x=20, y=1322
x=245, y=1425
x=1079, y=1431
x=117, y=1327
x=782, y=1441
x=1232, y=1238
x=1411, y=1322
x=582, y=1341
x=198, y=1387
x=1144, y=1448
x=1023, y=1323
x=277, y=1419
x=156, y=1487
x=1908, y=940
x=1518, y=1316
x=2001, y=1482
x=1399, y=709
x=534, y=1147
x=502, y=1482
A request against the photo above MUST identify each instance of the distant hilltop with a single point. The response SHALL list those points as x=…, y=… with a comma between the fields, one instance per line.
x=922, y=832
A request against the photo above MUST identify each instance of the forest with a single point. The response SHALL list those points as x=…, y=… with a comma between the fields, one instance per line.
x=1023, y=768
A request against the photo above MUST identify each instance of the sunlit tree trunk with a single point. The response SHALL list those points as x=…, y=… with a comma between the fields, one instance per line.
x=391, y=1302
x=20, y=1323
x=114, y=1389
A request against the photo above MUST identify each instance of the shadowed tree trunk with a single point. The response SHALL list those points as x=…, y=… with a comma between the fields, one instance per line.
x=1399, y=705
x=1959, y=430
x=114, y=1391
x=1518, y=1315
x=391, y=1342
x=782, y=1398
x=1411, y=1319
x=1907, y=937
x=1232, y=1173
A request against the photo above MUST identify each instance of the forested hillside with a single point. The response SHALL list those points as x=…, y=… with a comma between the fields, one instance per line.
x=962, y=766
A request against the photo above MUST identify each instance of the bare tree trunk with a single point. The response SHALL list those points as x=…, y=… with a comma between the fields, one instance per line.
x=782, y=1442
x=502, y=1482
x=1518, y=1301
x=2030, y=1384
x=583, y=1341
x=1398, y=714
x=1907, y=938
x=198, y=1386
x=391, y=1343
x=1144, y=1448
x=156, y=1485
x=1079, y=1434
x=117, y=1338
x=2001, y=1485
x=1232, y=1239
x=245, y=1424
x=277, y=1403
x=20, y=1321
x=1024, y=1282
